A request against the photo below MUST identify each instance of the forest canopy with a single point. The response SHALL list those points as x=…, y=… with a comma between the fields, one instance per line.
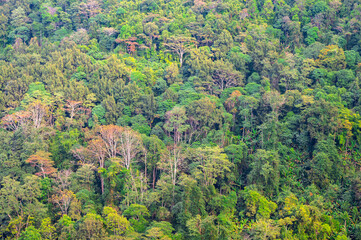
x=172, y=120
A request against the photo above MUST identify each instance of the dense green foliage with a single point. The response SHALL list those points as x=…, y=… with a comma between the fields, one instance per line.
x=158, y=119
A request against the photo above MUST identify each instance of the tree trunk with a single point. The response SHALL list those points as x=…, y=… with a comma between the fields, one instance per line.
x=154, y=171
x=102, y=184
x=181, y=59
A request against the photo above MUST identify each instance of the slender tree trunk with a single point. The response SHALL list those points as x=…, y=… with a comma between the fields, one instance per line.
x=145, y=167
x=181, y=59
x=102, y=184
x=154, y=172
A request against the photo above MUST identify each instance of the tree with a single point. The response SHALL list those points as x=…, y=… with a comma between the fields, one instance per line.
x=268, y=128
x=267, y=10
x=63, y=199
x=306, y=219
x=37, y=101
x=202, y=228
x=129, y=146
x=176, y=123
x=98, y=113
x=200, y=65
x=66, y=226
x=85, y=176
x=153, y=149
x=19, y=203
x=321, y=119
x=162, y=229
x=98, y=149
x=164, y=194
x=72, y=107
x=172, y=162
x=107, y=143
x=265, y=171
x=252, y=8
x=265, y=229
x=131, y=44
x=90, y=9
x=137, y=214
x=326, y=165
x=156, y=233
x=332, y=57
x=38, y=111
x=3, y=28
x=203, y=115
x=223, y=43
x=116, y=224
x=18, y=17
x=80, y=37
x=211, y=164
x=42, y=161
x=30, y=233
x=246, y=111
x=152, y=30
x=180, y=45
x=109, y=136
x=15, y=120
x=257, y=206
x=82, y=154
x=92, y=227
x=172, y=74
x=47, y=230
x=63, y=179
x=224, y=75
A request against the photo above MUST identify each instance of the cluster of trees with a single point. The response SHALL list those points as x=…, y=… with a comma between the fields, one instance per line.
x=179, y=119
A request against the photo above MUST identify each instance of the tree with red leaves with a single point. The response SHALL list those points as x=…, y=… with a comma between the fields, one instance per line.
x=131, y=44
x=15, y=120
x=108, y=142
x=129, y=146
x=97, y=149
x=109, y=135
x=43, y=162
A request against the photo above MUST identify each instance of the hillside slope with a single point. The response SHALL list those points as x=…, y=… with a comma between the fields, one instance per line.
x=179, y=119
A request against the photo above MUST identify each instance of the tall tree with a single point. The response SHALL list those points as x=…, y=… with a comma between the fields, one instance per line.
x=176, y=123
x=129, y=146
x=211, y=164
x=43, y=162
x=110, y=135
x=63, y=199
x=97, y=148
x=172, y=163
x=180, y=45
